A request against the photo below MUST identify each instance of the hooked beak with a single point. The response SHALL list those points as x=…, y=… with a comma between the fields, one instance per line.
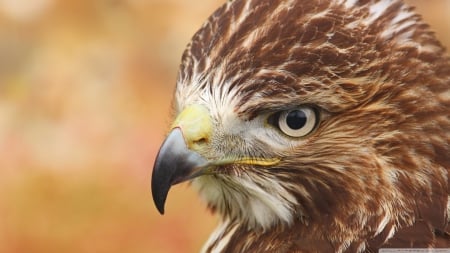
x=179, y=157
x=177, y=160
x=174, y=164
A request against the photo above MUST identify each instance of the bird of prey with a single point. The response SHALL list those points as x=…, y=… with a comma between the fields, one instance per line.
x=314, y=126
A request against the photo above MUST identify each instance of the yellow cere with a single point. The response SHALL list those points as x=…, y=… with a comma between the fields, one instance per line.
x=195, y=123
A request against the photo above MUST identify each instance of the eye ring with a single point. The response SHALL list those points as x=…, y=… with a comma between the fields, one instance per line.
x=297, y=122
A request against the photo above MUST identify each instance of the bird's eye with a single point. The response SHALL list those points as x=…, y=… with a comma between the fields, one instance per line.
x=296, y=122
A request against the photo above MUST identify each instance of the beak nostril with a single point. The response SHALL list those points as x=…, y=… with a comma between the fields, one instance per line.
x=201, y=141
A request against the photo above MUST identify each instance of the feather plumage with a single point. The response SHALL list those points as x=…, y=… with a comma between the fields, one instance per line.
x=373, y=174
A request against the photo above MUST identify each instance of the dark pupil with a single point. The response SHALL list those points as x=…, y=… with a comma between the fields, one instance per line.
x=296, y=119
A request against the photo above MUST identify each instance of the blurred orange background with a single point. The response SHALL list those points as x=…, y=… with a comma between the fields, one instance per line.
x=85, y=94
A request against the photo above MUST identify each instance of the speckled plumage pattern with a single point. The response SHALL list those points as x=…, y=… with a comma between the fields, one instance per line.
x=373, y=174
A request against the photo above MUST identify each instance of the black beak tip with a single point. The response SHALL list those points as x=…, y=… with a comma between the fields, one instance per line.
x=174, y=163
x=160, y=208
x=159, y=193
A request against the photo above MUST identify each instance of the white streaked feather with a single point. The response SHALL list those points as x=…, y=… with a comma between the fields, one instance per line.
x=448, y=208
x=350, y=3
x=220, y=236
x=399, y=23
x=376, y=10
x=239, y=19
x=257, y=207
x=383, y=223
x=361, y=247
x=390, y=234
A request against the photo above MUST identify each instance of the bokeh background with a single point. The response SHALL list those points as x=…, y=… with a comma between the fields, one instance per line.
x=85, y=92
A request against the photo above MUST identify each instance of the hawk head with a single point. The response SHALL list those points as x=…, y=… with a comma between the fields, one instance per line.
x=313, y=125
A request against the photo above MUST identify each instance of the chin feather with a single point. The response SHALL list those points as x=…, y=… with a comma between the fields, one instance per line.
x=257, y=201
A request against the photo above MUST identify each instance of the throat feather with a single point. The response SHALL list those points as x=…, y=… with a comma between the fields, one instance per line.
x=259, y=202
